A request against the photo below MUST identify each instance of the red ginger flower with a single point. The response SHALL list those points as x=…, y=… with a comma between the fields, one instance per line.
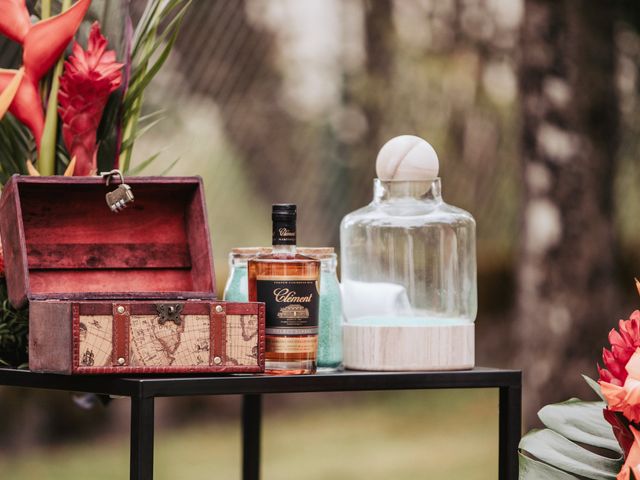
x=89, y=78
x=623, y=345
x=42, y=45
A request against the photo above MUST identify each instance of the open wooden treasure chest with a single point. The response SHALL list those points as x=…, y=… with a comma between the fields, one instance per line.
x=126, y=292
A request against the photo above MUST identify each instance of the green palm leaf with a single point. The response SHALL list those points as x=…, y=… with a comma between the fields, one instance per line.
x=578, y=443
x=153, y=40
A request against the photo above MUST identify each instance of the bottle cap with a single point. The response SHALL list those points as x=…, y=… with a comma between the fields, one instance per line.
x=407, y=158
x=283, y=211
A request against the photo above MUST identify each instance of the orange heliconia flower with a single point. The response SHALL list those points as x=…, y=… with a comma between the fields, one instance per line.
x=42, y=45
x=90, y=76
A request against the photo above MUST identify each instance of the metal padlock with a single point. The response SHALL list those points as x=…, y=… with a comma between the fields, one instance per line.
x=121, y=196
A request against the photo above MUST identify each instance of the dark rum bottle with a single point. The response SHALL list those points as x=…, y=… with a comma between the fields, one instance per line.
x=289, y=285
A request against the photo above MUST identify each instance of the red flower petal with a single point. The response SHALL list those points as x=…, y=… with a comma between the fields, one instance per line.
x=26, y=105
x=613, y=365
x=46, y=40
x=605, y=376
x=14, y=21
x=620, y=426
x=624, y=342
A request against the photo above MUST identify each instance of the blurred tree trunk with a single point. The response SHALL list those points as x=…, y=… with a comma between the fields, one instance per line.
x=367, y=93
x=565, y=273
x=379, y=45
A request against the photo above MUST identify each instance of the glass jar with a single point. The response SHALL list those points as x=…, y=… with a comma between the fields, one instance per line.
x=330, y=316
x=409, y=260
x=236, y=289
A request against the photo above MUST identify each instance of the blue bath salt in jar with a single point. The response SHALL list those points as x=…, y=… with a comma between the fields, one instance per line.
x=236, y=289
x=330, y=322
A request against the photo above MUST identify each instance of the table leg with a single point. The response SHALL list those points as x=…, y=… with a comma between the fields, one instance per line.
x=510, y=431
x=141, y=463
x=251, y=423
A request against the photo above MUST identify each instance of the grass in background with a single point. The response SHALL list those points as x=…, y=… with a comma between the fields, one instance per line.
x=392, y=435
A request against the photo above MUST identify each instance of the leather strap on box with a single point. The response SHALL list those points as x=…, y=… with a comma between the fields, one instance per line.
x=218, y=334
x=121, y=324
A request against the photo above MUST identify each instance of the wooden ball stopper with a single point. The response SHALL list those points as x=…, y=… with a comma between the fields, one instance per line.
x=407, y=158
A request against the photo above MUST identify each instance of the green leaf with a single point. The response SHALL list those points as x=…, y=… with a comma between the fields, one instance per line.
x=554, y=449
x=577, y=443
x=152, y=115
x=594, y=386
x=173, y=164
x=139, y=168
x=169, y=33
x=531, y=469
x=140, y=132
x=581, y=422
x=16, y=145
x=154, y=38
x=140, y=80
x=14, y=326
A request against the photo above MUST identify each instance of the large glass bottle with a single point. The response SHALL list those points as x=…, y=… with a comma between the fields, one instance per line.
x=289, y=284
x=408, y=269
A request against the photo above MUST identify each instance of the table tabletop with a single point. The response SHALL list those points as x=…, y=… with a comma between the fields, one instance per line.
x=198, y=384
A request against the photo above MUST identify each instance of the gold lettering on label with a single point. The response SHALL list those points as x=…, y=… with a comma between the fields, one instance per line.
x=290, y=296
x=285, y=232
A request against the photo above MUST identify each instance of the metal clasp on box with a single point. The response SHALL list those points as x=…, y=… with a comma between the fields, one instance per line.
x=169, y=313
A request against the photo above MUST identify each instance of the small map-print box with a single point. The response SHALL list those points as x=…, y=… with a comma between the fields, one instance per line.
x=141, y=337
x=127, y=292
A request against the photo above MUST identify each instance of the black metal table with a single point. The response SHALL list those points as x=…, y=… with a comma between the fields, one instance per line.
x=143, y=391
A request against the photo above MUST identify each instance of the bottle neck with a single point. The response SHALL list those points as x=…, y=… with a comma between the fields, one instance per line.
x=284, y=250
x=284, y=234
x=396, y=190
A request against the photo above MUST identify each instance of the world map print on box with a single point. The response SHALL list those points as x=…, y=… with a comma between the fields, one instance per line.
x=152, y=344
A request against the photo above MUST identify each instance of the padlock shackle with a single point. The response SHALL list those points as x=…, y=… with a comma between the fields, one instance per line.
x=112, y=173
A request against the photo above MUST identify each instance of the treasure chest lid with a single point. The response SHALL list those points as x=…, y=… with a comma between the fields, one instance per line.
x=62, y=241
